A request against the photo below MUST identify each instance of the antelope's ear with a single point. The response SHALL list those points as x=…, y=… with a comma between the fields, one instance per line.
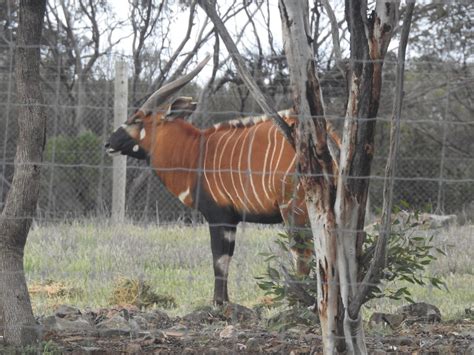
x=182, y=107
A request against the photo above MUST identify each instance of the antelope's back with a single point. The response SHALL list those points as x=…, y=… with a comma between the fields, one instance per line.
x=250, y=166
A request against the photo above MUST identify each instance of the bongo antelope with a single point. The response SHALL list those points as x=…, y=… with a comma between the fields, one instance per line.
x=240, y=170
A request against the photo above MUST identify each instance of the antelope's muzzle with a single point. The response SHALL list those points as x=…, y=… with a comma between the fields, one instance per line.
x=121, y=143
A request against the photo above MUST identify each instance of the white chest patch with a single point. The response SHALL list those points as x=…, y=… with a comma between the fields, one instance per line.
x=142, y=133
x=135, y=148
x=183, y=195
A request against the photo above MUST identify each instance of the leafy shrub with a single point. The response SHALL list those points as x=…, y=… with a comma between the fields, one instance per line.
x=409, y=253
x=74, y=173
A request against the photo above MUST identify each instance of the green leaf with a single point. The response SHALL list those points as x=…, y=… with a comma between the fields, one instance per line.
x=405, y=204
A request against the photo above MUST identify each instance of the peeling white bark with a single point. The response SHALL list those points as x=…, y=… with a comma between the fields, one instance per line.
x=328, y=286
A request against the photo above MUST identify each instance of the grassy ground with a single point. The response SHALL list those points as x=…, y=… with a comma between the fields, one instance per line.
x=456, y=269
x=87, y=258
x=79, y=263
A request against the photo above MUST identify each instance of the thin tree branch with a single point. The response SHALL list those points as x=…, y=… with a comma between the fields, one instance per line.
x=377, y=265
x=335, y=35
x=265, y=102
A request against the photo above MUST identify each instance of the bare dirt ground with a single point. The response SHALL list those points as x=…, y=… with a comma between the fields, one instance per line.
x=231, y=329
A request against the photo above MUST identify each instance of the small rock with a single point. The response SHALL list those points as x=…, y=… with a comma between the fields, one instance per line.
x=238, y=313
x=67, y=312
x=254, y=345
x=178, y=328
x=403, y=341
x=90, y=350
x=116, y=322
x=176, y=331
x=114, y=332
x=140, y=321
x=156, y=319
x=228, y=332
x=468, y=334
x=470, y=349
x=420, y=312
x=134, y=325
x=133, y=348
x=147, y=338
x=241, y=335
x=241, y=347
x=392, y=320
x=79, y=325
x=200, y=316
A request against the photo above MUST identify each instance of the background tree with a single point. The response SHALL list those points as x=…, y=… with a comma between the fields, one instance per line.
x=15, y=221
x=78, y=34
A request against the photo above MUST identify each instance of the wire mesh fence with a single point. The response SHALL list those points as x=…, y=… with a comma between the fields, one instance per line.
x=435, y=168
x=435, y=173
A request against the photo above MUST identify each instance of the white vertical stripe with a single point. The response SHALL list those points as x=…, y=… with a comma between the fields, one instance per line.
x=228, y=139
x=204, y=166
x=264, y=172
x=250, y=156
x=235, y=168
x=271, y=176
x=216, y=167
x=247, y=201
x=279, y=158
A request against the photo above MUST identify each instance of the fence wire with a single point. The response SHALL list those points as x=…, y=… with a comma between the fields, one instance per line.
x=435, y=169
x=435, y=173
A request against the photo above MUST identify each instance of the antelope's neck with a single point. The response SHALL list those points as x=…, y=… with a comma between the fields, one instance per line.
x=175, y=157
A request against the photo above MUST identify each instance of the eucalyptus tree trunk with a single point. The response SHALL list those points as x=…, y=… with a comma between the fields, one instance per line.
x=335, y=183
x=336, y=192
x=20, y=206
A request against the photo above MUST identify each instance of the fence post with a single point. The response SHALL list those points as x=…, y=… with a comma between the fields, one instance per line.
x=119, y=176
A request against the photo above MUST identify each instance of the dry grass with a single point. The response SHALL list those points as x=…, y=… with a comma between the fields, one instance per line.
x=139, y=293
x=53, y=289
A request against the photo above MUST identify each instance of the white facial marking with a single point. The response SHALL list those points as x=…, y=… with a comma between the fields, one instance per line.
x=142, y=133
x=135, y=148
x=182, y=196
